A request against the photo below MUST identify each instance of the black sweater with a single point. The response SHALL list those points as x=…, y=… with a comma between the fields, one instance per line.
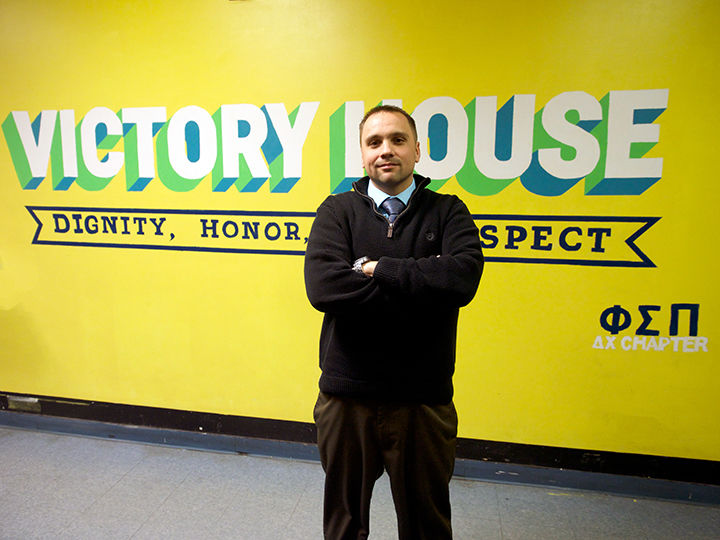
x=391, y=336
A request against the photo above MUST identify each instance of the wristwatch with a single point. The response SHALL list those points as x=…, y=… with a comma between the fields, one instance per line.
x=357, y=265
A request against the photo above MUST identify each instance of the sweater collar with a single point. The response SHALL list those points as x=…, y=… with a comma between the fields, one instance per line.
x=361, y=186
x=378, y=195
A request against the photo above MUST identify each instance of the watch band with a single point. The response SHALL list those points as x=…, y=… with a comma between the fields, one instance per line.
x=358, y=264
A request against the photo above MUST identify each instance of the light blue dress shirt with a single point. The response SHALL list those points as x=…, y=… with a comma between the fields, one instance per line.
x=378, y=196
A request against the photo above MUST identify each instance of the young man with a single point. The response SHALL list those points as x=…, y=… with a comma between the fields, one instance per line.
x=389, y=264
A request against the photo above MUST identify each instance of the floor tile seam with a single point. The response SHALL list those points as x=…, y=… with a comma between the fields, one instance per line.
x=307, y=485
x=223, y=512
x=589, y=492
x=489, y=503
x=113, y=486
x=25, y=457
x=238, y=490
x=233, y=495
x=159, y=507
x=499, y=513
x=507, y=524
x=290, y=517
x=84, y=511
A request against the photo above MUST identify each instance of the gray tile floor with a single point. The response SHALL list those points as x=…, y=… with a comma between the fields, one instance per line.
x=59, y=486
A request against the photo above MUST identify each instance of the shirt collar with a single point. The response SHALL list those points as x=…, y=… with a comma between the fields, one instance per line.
x=378, y=196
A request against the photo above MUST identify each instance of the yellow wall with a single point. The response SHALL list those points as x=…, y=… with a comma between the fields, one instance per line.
x=233, y=332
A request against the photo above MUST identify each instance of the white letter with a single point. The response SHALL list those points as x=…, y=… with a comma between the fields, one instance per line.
x=37, y=153
x=556, y=125
x=523, y=106
x=292, y=138
x=354, y=111
x=114, y=162
x=457, y=134
x=249, y=146
x=207, y=139
x=623, y=131
x=68, y=154
x=144, y=118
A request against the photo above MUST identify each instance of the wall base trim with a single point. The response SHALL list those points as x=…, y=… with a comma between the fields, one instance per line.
x=482, y=460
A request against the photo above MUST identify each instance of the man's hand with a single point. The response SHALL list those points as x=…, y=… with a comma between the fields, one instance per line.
x=368, y=268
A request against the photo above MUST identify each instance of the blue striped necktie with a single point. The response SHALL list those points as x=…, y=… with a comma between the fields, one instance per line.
x=393, y=206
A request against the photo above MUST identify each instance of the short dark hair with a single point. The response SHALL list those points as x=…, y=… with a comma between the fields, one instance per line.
x=390, y=109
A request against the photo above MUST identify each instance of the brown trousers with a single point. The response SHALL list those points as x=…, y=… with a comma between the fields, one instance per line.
x=415, y=443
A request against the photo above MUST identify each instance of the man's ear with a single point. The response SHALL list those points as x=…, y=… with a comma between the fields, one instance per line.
x=417, y=151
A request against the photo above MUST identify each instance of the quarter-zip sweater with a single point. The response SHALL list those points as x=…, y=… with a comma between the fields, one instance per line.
x=392, y=336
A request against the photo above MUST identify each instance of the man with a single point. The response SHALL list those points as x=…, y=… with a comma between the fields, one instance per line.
x=390, y=276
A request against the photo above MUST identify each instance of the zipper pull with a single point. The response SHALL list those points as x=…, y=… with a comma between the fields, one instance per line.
x=390, y=230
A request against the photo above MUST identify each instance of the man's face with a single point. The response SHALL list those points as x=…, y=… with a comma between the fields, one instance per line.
x=389, y=151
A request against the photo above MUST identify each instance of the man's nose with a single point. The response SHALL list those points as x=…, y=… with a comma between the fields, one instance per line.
x=386, y=148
